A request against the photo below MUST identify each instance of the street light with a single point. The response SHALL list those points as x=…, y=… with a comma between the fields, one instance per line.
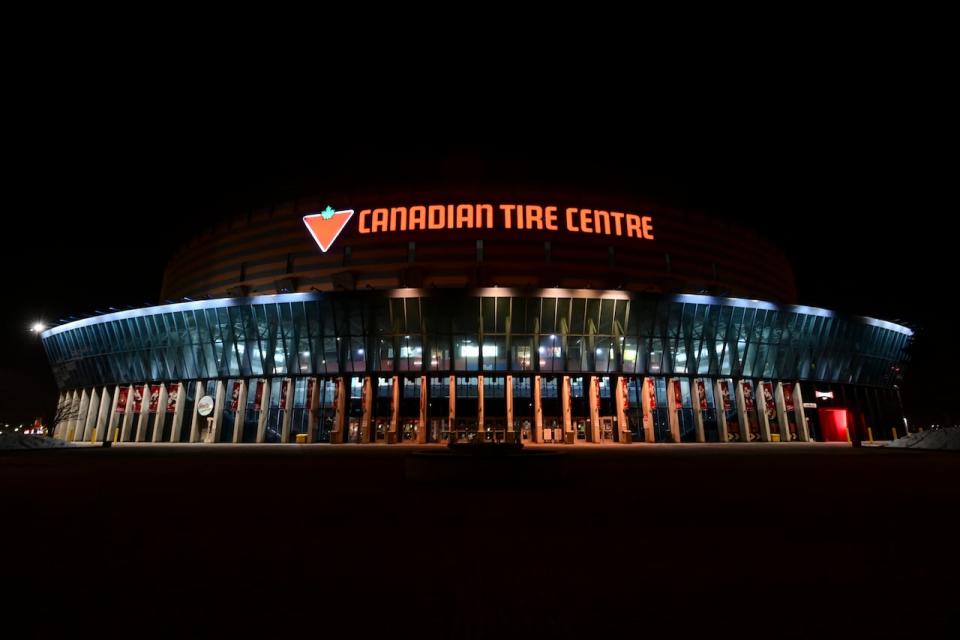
x=37, y=327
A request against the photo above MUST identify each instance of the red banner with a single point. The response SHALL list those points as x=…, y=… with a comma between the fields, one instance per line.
x=138, y=398
x=677, y=395
x=651, y=393
x=122, y=394
x=725, y=392
x=173, y=391
x=788, y=396
x=748, y=402
x=154, y=397
x=702, y=394
x=235, y=395
x=768, y=400
x=283, y=393
x=626, y=393
x=258, y=399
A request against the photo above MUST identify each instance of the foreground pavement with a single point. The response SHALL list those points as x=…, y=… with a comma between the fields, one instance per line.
x=784, y=540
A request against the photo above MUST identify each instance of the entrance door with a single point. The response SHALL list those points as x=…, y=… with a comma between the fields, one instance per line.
x=606, y=429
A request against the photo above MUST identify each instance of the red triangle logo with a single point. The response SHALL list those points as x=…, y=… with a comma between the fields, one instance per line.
x=326, y=226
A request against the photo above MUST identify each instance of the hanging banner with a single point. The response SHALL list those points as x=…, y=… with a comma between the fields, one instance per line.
x=626, y=393
x=768, y=400
x=154, y=397
x=788, y=396
x=122, y=394
x=749, y=409
x=651, y=394
x=702, y=394
x=310, y=384
x=235, y=396
x=748, y=402
x=138, y=398
x=258, y=399
x=283, y=393
x=677, y=395
x=173, y=392
x=725, y=392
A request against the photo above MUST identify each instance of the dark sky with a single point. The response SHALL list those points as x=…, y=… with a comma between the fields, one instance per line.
x=849, y=190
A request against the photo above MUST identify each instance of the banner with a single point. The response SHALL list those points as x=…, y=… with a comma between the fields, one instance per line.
x=748, y=402
x=749, y=406
x=122, y=394
x=154, y=397
x=310, y=384
x=651, y=393
x=235, y=396
x=283, y=393
x=677, y=395
x=725, y=392
x=702, y=394
x=137, y=398
x=258, y=399
x=788, y=397
x=173, y=391
x=768, y=400
x=626, y=393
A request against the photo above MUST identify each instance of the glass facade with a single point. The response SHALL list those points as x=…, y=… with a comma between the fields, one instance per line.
x=687, y=368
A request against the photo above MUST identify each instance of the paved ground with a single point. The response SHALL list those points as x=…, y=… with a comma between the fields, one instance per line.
x=761, y=540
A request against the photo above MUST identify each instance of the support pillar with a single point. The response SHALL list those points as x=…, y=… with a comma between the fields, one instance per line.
x=198, y=392
x=241, y=414
x=264, y=402
x=395, y=409
x=218, y=401
x=103, y=416
x=508, y=393
x=452, y=407
x=721, y=410
x=90, y=415
x=745, y=432
x=781, y=412
x=764, y=421
x=422, y=423
x=161, y=416
x=648, y=393
x=480, y=428
x=620, y=395
x=144, y=416
x=673, y=409
x=594, y=403
x=340, y=409
x=698, y=401
x=126, y=431
x=287, y=409
x=366, y=415
x=313, y=406
x=802, y=432
x=80, y=401
x=537, y=411
x=565, y=400
x=179, y=400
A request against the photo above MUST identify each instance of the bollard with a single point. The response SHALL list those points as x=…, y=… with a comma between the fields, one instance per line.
x=870, y=435
x=894, y=433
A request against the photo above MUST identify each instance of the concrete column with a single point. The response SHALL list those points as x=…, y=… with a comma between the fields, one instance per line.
x=480, y=403
x=673, y=410
x=161, y=416
x=422, y=430
x=195, y=427
x=508, y=391
x=802, y=432
x=721, y=410
x=58, y=427
x=537, y=410
x=103, y=415
x=340, y=408
x=241, y=413
x=177, y=424
x=781, y=412
x=287, y=411
x=745, y=433
x=395, y=407
x=761, y=403
x=565, y=404
x=647, y=391
x=620, y=407
x=144, y=414
x=452, y=405
x=87, y=419
x=695, y=400
x=594, y=403
x=218, y=401
x=313, y=405
x=264, y=402
x=366, y=415
x=75, y=400
x=126, y=431
x=113, y=426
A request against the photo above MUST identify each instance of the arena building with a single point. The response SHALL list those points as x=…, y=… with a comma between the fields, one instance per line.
x=495, y=316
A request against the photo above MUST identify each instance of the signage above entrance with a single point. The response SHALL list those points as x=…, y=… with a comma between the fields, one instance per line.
x=327, y=225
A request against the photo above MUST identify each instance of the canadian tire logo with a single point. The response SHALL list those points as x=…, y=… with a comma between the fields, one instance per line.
x=327, y=225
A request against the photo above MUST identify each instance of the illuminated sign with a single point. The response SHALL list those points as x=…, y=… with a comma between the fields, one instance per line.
x=823, y=394
x=327, y=225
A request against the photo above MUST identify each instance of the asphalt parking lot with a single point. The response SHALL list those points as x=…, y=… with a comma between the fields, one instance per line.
x=779, y=540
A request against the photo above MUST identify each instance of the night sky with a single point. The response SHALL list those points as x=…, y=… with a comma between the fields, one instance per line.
x=852, y=196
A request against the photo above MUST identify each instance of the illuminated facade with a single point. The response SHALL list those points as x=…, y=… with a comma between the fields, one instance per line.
x=509, y=325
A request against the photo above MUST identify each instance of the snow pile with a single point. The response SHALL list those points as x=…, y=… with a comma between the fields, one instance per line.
x=942, y=439
x=11, y=441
